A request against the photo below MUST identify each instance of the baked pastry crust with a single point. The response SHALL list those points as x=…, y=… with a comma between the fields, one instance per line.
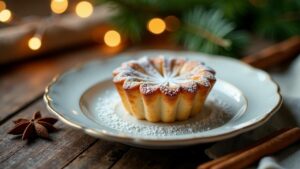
x=163, y=88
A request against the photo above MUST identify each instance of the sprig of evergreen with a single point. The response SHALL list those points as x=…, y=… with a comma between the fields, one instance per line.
x=205, y=31
x=211, y=26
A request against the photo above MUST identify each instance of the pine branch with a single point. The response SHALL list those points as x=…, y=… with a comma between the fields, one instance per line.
x=206, y=31
x=208, y=35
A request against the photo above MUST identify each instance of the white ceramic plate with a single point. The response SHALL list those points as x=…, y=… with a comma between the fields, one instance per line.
x=242, y=99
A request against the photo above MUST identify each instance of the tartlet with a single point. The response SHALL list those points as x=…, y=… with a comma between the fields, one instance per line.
x=163, y=88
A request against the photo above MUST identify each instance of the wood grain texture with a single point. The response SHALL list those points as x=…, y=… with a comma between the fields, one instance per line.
x=184, y=158
x=66, y=144
x=22, y=83
x=101, y=155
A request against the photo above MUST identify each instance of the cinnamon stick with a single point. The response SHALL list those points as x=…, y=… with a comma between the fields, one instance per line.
x=209, y=164
x=275, y=54
x=243, y=158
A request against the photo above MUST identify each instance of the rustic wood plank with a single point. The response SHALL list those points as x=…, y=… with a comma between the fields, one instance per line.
x=185, y=158
x=22, y=83
x=139, y=158
x=67, y=144
x=101, y=155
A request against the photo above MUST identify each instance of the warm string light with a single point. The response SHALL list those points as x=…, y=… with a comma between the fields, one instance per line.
x=84, y=9
x=35, y=43
x=2, y=5
x=172, y=23
x=156, y=26
x=5, y=15
x=59, y=6
x=112, y=38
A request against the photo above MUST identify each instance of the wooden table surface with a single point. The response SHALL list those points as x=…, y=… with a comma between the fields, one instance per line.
x=21, y=88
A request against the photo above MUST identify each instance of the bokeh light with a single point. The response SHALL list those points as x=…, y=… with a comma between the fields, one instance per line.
x=5, y=15
x=156, y=26
x=34, y=43
x=2, y=5
x=84, y=9
x=172, y=23
x=59, y=6
x=112, y=38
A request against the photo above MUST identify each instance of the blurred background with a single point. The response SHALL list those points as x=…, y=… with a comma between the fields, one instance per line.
x=42, y=38
x=34, y=27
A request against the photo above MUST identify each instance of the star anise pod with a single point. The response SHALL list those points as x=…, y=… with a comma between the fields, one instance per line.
x=37, y=126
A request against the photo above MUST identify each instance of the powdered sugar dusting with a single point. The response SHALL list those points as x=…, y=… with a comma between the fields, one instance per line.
x=111, y=114
x=169, y=74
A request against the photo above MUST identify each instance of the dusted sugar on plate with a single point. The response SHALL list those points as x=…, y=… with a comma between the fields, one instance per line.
x=163, y=88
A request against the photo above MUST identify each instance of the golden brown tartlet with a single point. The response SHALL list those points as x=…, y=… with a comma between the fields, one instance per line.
x=163, y=89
